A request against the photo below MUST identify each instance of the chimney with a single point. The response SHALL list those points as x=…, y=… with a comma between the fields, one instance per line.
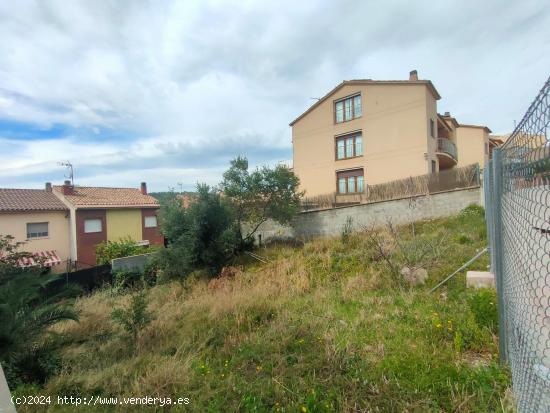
x=144, y=188
x=413, y=75
x=68, y=189
x=48, y=187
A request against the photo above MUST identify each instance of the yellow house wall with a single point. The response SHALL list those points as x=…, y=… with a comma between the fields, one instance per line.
x=431, y=111
x=471, y=145
x=395, y=133
x=15, y=224
x=122, y=223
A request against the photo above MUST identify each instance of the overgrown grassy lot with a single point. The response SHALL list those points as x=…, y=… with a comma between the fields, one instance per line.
x=322, y=327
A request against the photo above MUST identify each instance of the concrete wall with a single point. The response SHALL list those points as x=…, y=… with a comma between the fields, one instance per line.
x=15, y=224
x=331, y=222
x=395, y=129
x=132, y=263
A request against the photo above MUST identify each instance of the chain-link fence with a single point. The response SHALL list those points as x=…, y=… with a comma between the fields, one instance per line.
x=517, y=198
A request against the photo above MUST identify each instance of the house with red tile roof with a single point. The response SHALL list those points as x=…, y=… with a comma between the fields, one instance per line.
x=107, y=214
x=37, y=218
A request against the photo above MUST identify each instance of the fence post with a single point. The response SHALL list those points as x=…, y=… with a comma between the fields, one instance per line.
x=497, y=252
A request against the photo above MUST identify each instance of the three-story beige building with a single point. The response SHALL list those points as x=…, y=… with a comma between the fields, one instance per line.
x=367, y=132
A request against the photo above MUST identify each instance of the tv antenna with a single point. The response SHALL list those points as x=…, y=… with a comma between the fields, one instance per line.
x=69, y=166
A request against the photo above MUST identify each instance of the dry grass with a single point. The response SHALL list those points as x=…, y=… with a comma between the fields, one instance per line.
x=321, y=328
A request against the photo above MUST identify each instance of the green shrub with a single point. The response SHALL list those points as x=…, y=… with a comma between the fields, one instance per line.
x=473, y=210
x=127, y=279
x=483, y=303
x=135, y=317
x=463, y=239
x=347, y=230
x=259, y=195
x=201, y=236
x=29, y=304
x=107, y=251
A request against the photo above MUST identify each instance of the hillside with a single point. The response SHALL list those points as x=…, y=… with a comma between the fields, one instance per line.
x=324, y=326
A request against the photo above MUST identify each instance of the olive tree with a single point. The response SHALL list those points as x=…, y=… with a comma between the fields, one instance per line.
x=258, y=195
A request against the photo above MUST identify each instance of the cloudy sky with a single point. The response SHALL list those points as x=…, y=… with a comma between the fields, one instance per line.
x=168, y=92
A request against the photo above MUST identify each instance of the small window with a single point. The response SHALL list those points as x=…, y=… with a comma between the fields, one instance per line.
x=151, y=221
x=360, y=184
x=350, y=182
x=434, y=167
x=358, y=145
x=342, y=185
x=339, y=112
x=93, y=225
x=348, y=109
x=349, y=146
x=37, y=230
x=341, y=149
x=358, y=110
x=432, y=128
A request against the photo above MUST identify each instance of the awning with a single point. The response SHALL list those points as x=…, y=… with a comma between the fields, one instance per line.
x=46, y=258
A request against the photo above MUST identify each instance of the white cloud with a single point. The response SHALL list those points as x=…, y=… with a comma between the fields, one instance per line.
x=215, y=76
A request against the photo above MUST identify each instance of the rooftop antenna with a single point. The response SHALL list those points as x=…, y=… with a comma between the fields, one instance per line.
x=317, y=99
x=69, y=166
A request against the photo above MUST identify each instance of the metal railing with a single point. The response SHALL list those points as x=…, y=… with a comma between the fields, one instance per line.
x=517, y=200
x=444, y=145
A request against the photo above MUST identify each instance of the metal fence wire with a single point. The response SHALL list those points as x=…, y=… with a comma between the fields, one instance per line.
x=517, y=199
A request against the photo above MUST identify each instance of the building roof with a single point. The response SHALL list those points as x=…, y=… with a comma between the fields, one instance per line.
x=21, y=200
x=428, y=83
x=462, y=125
x=441, y=121
x=504, y=137
x=98, y=197
x=449, y=118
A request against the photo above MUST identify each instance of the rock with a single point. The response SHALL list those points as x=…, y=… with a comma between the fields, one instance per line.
x=414, y=276
x=480, y=279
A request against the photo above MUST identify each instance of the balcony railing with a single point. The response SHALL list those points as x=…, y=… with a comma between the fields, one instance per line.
x=446, y=146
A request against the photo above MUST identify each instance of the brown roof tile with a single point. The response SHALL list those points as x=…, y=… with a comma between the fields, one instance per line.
x=97, y=197
x=13, y=200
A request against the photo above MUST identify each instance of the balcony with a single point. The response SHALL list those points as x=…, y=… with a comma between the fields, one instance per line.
x=446, y=153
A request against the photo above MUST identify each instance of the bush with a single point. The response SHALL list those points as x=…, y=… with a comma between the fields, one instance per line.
x=483, y=303
x=259, y=195
x=9, y=255
x=29, y=304
x=126, y=279
x=134, y=318
x=107, y=251
x=201, y=236
x=473, y=210
x=347, y=230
